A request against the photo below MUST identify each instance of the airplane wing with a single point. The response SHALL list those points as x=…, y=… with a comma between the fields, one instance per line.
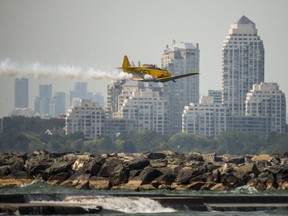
x=166, y=79
x=138, y=79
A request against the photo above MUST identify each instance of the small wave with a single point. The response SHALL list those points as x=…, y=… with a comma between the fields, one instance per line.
x=245, y=190
x=31, y=183
x=38, y=186
x=123, y=204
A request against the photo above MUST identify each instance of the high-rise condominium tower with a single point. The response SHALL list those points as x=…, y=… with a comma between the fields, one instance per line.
x=242, y=64
x=181, y=58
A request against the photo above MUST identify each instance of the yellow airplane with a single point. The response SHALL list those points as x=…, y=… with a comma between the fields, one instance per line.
x=150, y=72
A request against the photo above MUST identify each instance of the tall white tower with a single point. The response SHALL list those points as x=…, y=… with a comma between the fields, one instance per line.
x=242, y=64
x=181, y=58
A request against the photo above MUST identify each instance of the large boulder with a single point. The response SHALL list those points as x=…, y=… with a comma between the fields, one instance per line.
x=60, y=167
x=163, y=180
x=156, y=155
x=37, y=162
x=148, y=174
x=195, y=185
x=16, y=179
x=271, y=182
x=138, y=163
x=5, y=170
x=91, y=165
x=227, y=168
x=80, y=162
x=185, y=174
x=230, y=180
x=111, y=165
x=211, y=158
x=214, y=176
x=58, y=178
x=119, y=177
x=194, y=156
x=77, y=181
x=233, y=159
x=99, y=183
x=247, y=169
x=219, y=187
x=262, y=157
x=132, y=184
x=14, y=161
x=158, y=163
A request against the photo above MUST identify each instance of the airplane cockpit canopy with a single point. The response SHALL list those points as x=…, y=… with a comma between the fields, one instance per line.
x=152, y=66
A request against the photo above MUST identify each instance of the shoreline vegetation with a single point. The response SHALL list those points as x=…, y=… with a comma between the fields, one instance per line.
x=24, y=134
x=145, y=171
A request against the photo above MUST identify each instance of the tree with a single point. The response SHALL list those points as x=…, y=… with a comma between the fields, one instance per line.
x=187, y=142
x=103, y=144
x=11, y=141
x=31, y=124
x=277, y=143
x=238, y=142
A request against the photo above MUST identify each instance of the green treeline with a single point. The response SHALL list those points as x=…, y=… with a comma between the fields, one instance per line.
x=23, y=134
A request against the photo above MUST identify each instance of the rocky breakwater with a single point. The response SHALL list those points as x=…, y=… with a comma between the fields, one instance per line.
x=146, y=171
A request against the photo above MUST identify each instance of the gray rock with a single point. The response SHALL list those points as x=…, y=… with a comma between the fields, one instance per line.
x=233, y=159
x=59, y=167
x=138, y=164
x=149, y=174
x=184, y=175
x=195, y=156
x=156, y=155
x=111, y=166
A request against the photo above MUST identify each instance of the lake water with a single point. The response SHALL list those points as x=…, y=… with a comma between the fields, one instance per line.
x=118, y=200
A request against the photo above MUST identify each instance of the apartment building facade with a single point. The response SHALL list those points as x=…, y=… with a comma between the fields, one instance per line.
x=206, y=117
x=88, y=118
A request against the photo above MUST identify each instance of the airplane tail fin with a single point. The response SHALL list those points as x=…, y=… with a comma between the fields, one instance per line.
x=126, y=63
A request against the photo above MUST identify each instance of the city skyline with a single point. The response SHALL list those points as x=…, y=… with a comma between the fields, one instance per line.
x=52, y=104
x=30, y=34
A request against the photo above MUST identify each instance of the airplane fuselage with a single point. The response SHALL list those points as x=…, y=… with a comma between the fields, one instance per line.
x=143, y=70
x=150, y=72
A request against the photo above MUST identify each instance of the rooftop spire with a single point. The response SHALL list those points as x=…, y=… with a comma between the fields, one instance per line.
x=244, y=20
x=243, y=26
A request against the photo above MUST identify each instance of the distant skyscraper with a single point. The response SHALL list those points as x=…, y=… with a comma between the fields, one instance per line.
x=81, y=88
x=42, y=102
x=21, y=93
x=79, y=91
x=179, y=59
x=242, y=64
x=96, y=97
x=58, y=104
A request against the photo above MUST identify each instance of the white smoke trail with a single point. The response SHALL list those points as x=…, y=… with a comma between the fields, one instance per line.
x=40, y=71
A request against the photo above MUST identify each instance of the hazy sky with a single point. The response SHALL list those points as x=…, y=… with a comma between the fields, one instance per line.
x=98, y=33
